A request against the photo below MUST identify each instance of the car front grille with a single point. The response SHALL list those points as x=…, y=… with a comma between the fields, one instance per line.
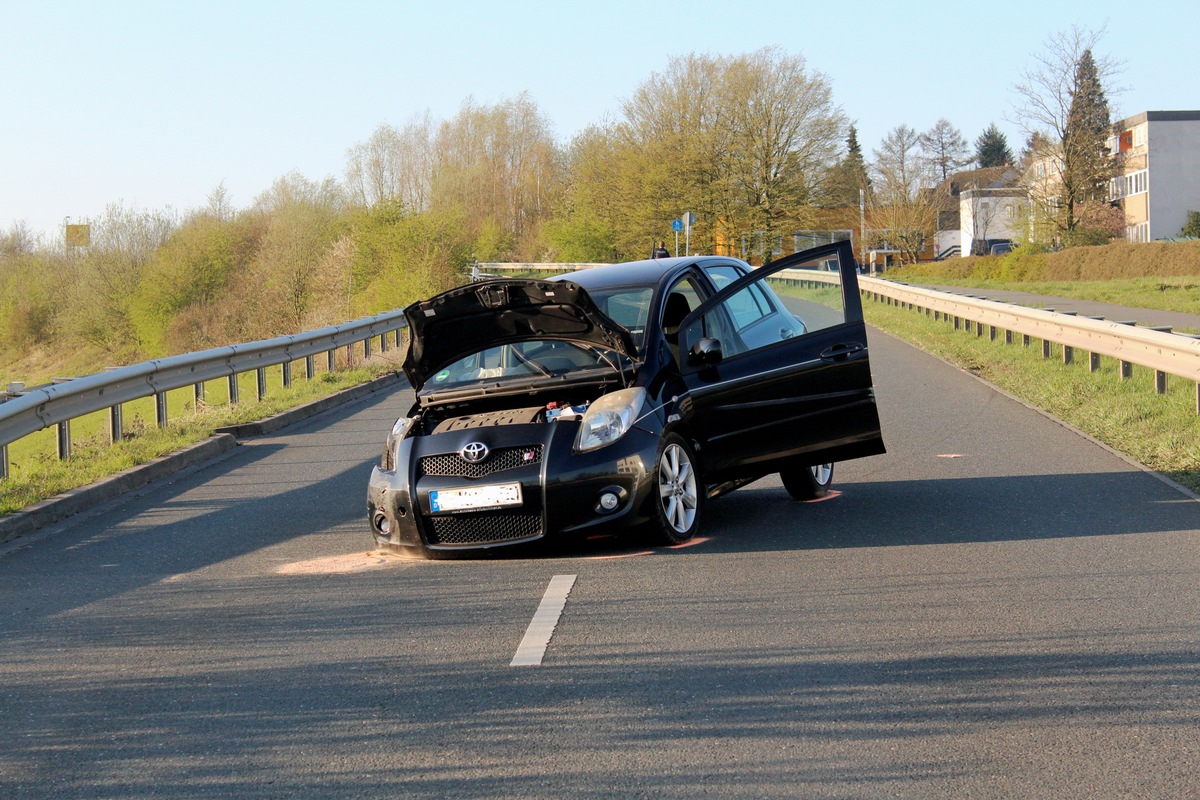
x=483, y=528
x=451, y=465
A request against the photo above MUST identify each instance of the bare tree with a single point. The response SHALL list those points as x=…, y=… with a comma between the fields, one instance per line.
x=903, y=207
x=393, y=165
x=945, y=148
x=1063, y=110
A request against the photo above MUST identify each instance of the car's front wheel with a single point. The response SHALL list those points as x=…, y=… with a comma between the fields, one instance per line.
x=680, y=491
x=808, y=483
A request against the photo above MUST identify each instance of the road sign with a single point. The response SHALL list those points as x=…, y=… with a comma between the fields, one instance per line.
x=677, y=225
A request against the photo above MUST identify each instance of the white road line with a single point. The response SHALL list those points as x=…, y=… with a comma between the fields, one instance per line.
x=541, y=628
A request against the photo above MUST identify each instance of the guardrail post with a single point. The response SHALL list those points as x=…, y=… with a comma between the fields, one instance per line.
x=4, y=460
x=957, y=324
x=1045, y=348
x=383, y=343
x=160, y=408
x=367, y=347
x=1025, y=340
x=1068, y=354
x=1008, y=337
x=260, y=376
x=64, y=440
x=330, y=359
x=979, y=329
x=310, y=367
x=233, y=390
x=197, y=395
x=1160, y=381
x=992, y=332
x=1093, y=362
x=287, y=374
x=1126, y=370
x=116, y=427
x=399, y=339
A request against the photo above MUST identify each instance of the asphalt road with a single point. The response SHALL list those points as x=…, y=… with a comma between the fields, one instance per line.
x=997, y=608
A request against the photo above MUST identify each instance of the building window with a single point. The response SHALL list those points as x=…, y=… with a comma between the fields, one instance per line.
x=1126, y=185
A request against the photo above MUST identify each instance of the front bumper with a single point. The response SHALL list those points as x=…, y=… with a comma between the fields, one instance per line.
x=561, y=490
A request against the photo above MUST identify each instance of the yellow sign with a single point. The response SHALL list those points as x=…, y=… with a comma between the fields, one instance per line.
x=79, y=235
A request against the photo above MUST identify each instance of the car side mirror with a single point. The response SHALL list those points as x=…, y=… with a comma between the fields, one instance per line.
x=706, y=351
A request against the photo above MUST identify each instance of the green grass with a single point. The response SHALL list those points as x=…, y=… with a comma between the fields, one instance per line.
x=36, y=473
x=1160, y=431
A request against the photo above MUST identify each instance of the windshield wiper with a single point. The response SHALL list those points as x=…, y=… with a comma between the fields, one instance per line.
x=529, y=362
x=619, y=367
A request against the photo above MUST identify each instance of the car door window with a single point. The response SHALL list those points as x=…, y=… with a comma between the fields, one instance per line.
x=755, y=316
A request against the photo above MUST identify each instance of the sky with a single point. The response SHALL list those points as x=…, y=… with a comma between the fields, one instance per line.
x=153, y=105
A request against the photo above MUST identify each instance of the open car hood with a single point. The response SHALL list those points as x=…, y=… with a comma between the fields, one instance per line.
x=471, y=318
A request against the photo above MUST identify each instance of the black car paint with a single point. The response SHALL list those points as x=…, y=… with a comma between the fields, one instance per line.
x=829, y=388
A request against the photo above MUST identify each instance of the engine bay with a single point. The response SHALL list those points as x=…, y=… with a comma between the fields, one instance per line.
x=550, y=412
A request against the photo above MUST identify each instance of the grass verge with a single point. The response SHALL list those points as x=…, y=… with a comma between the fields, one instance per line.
x=1160, y=431
x=36, y=473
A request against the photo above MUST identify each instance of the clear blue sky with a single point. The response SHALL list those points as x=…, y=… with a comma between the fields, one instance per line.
x=153, y=104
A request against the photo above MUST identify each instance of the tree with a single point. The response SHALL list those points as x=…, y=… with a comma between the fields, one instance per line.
x=497, y=166
x=848, y=177
x=991, y=149
x=1065, y=112
x=945, y=148
x=393, y=165
x=904, y=211
x=742, y=141
x=1191, y=228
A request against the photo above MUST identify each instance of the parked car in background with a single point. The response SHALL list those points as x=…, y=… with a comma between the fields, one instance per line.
x=624, y=396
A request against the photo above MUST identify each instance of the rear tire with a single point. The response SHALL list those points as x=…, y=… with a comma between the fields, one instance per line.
x=808, y=483
x=680, y=491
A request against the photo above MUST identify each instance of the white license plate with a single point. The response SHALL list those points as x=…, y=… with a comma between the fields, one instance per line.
x=472, y=497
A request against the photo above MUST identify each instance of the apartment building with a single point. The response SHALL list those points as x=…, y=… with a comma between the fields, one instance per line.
x=1158, y=178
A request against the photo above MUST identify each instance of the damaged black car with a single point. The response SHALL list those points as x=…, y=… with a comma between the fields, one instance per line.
x=623, y=397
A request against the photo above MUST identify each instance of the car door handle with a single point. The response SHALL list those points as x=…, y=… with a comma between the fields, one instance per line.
x=840, y=352
x=786, y=333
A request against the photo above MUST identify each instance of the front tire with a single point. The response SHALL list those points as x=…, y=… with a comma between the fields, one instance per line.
x=680, y=491
x=808, y=483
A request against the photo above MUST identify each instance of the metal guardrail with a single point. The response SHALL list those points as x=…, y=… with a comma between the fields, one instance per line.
x=41, y=407
x=1156, y=349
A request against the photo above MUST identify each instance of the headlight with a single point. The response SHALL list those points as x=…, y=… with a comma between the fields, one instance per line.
x=389, y=448
x=607, y=419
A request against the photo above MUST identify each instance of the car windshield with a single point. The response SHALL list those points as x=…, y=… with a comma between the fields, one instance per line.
x=536, y=358
x=628, y=306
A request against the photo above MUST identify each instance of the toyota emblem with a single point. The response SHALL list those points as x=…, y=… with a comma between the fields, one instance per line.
x=474, y=452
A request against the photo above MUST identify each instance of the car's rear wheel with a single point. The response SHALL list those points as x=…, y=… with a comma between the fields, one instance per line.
x=808, y=483
x=680, y=491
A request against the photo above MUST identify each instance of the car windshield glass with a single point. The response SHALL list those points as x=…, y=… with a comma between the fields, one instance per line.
x=628, y=306
x=524, y=360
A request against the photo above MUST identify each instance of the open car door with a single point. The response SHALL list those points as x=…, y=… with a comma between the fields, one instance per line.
x=777, y=370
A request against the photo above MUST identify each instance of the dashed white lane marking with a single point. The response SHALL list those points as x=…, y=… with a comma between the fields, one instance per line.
x=541, y=628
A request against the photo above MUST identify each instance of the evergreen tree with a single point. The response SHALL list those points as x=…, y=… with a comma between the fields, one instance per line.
x=991, y=148
x=1087, y=164
x=848, y=176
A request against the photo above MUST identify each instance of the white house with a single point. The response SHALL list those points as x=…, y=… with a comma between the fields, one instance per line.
x=986, y=215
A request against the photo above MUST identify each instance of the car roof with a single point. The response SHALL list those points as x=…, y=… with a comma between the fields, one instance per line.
x=631, y=273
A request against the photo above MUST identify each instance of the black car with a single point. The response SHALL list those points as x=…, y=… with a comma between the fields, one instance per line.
x=623, y=396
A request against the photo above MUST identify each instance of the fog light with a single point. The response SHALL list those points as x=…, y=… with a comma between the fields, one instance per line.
x=609, y=501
